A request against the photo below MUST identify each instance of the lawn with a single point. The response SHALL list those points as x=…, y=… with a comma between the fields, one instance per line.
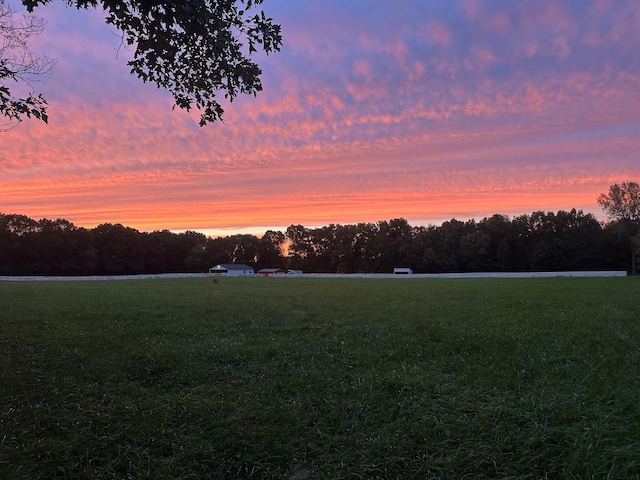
x=270, y=378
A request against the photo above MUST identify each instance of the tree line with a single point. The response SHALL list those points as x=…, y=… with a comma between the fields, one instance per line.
x=542, y=241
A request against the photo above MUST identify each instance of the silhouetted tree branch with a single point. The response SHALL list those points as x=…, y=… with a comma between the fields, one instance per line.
x=19, y=67
x=622, y=204
x=192, y=48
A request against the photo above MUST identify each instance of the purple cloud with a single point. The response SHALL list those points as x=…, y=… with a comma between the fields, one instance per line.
x=372, y=110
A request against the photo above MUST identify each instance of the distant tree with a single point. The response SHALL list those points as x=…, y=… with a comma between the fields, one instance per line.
x=270, y=250
x=13, y=239
x=19, y=67
x=301, y=251
x=187, y=250
x=475, y=251
x=344, y=257
x=323, y=243
x=452, y=255
x=198, y=259
x=363, y=248
x=44, y=247
x=119, y=249
x=566, y=240
x=391, y=245
x=192, y=48
x=506, y=251
x=61, y=248
x=622, y=204
x=246, y=249
x=240, y=248
x=17, y=224
x=584, y=236
x=425, y=239
x=635, y=244
x=168, y=252
x=215, y=252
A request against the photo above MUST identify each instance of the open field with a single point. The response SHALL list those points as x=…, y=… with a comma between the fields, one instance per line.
x=320, y=378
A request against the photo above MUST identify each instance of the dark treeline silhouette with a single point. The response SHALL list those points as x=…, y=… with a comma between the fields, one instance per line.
x=542, y=241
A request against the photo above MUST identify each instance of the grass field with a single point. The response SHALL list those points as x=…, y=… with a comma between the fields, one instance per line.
x=320, y=379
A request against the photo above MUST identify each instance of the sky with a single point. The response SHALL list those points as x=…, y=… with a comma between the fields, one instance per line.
x=426, y=110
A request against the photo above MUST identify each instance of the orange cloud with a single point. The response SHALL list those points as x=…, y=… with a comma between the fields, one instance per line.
x=357, y=122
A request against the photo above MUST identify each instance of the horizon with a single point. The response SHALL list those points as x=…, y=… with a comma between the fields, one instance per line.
x=371, y=111
x=258, y=232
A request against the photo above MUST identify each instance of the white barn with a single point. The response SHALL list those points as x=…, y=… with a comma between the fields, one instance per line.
x=232, y=270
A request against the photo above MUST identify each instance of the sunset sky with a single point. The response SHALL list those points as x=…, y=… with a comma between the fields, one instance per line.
x=422, y=109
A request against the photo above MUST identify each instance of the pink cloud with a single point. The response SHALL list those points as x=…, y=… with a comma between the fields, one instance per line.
x=481, y=58
x=471, y=8
x=600, y=7
x=551, y=14
x=501, y=22
x=438, y=32
x=358, y=121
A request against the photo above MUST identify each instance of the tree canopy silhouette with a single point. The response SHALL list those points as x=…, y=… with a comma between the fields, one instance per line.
x=622, y=204
x=18, y=66
x=192, y=48
x=542, y=241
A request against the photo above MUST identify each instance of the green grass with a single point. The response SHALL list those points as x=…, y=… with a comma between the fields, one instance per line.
x=321, y=378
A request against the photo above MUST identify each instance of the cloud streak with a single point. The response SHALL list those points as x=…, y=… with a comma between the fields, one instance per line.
x=371, y=111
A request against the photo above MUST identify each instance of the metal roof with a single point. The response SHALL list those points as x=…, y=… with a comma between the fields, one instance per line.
x=232, y=266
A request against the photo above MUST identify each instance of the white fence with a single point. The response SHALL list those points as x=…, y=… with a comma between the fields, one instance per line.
x=610, y=273
x=35, y=278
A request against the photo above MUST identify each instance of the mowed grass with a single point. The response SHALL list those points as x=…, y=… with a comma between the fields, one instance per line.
x=321, y=379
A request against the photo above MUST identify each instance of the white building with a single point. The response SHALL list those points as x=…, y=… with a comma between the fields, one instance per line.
x=402, y=271
x=232, y=270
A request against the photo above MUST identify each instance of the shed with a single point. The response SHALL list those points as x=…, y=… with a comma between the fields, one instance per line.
x=232, y=270
x=402, y=271
x=270, y=272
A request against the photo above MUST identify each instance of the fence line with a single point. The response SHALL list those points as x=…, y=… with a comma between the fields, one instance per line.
x=608, y=273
